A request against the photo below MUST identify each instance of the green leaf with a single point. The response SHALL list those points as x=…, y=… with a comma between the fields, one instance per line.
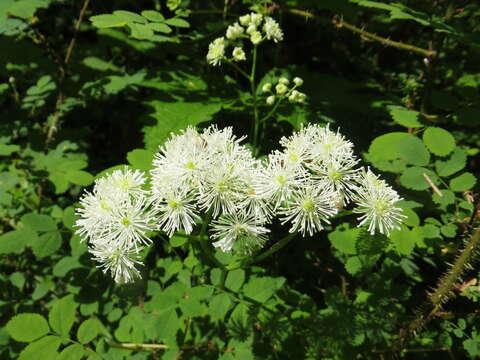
x=345, y=239
x=129, y=16
x=412, y=217
x=219, y=306
x=140, y=159
x=62, y=315
x=405, y=117
x=191, y=307
x=72, y=352
x=404, y=240
x=175, y=116
x=449, y=230
x=163, y=28
x=457, y=162
x=463, y=182
x=79, y=177
x=14, y=242
x=66, y=264
x=177, y=241
x=413, y=151
x=47, y=244
x=88, y=330
x=140, y=31
x=153, y=15
x=45, y=348
x=261, y=289
x=6, y=150
x=177, y=22
x=235, y=279
x=107, y=21
x=167, y=324
x=413, y=178
x=38, y=222
x=439, y=141
x=27, y=327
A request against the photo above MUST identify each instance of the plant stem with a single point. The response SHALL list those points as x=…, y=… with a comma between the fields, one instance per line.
x=203, y=239
x=272, y=250
x=253, y=89
x=238, y=68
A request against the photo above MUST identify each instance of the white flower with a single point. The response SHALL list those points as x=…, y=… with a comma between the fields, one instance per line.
x=256, y=38
x=216, y=51
x=298, y=81
x=376, y=200
x=234, y=31
x=308, y=208
x=124, y=182
x=281, y=89
x=245, y=20
x=251, y=29
x=256, y=19
x=119, y=261
x=328, y=144
x=238, y=54
x=177, y=212
x=267, y=87
x=238, y=229
x=270, y=100
x=272, y=30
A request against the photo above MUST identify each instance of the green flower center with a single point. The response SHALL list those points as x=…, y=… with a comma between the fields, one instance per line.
x=281, y=179
x=308, y=205
x=381, y=206
x=190, y=165
x=173, y=204
x=126, y=221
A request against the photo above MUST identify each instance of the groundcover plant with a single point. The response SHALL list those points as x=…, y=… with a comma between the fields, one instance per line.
x=247, y=179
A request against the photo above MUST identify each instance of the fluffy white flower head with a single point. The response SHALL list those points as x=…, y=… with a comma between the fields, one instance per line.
x=234, y=31
x=272, y=30
x=216, y=51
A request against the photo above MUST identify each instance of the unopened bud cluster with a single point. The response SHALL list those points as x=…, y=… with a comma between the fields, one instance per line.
x=284, y=88
x=211, y=178
x=253, y=27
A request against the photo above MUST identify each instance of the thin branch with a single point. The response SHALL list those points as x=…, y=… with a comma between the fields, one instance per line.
x=132, y=346
x=62, y=70
x=432, y=185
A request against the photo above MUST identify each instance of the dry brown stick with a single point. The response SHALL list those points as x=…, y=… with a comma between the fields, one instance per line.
x=62, y=70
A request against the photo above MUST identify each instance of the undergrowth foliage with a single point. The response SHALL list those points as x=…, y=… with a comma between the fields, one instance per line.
x=178, y=179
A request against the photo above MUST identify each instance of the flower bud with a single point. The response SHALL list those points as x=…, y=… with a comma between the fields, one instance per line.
x=284, y=81
x=298, y=81
x=256, y=38
x=238, y=54
x=281, y=89
x=270, y=100
x=251, y=29
x=245, y=20
x=267, y=87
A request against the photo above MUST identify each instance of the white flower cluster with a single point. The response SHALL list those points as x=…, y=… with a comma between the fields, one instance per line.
x=248, y=27
x=282, y=91
x=212, y=177
x=115, y=220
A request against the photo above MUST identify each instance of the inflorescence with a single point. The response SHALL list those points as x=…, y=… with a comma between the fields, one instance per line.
x=211, y=178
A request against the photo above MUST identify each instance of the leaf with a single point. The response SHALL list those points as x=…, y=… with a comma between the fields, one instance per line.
x=14, y=242
x=457, y=162
x=219, y=306
x=175, y=116
x=47, y=244
x=404, y=240
x=66, y=264
x=383, y=149
x=439, y=141
x=177, y=22
x=140, y=31
x=153, y=15
x=344, y=239
x=140, y=159
x=107, y=21
x=167, y=324
x=413, y=151
x=413, y=178
x=261, y=289
x=79, y=177
x=405, y=117
x=88, y=330
x=235, y=279
x=463, y=182
x=72, y=352
x=27, y=327
x=129, y=16
x=62, y=315
x=191, y=307
x=38, y=222
x=45, y=348
x=163, y=28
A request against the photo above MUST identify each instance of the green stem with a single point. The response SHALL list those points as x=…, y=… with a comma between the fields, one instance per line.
x=272, y=250
x=203, y=239
x=238, y=68
x=253, y=89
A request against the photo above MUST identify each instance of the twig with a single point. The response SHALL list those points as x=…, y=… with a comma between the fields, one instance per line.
x=432, y=185
x=131, y=346
x=62, y=71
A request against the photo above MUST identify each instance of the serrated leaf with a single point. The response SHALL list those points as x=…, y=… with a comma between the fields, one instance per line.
x=344, y=239
x=160, y=27
x=177, y=22
x=191, y=307
x=14, y=242
x=66, y=264
x=413, y=178
x=167, y=324
x=405, y=117
x=412, y=217
x=140, y=159
x=27, y=327
x=219, y=306
x=463, y=182
x=404, y=240
x=47, y=244
x=38, y=222
x=457, y=162
x=79, y=177
x=153, y=15
x=45, y=348
x=260, y=289
x=413, y=151
x=62, y=315
x=235, y=279
x=439, y=141
x=88, y=330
